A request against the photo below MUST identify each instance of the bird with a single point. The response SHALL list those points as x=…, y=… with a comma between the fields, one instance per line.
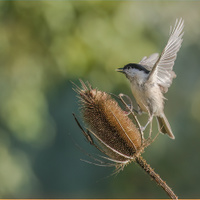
x=152, y=76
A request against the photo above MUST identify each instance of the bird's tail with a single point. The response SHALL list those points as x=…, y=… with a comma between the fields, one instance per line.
x=164, y=126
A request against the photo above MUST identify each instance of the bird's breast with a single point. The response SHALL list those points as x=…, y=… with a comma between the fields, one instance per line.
x=149, y=98
x=139, y=95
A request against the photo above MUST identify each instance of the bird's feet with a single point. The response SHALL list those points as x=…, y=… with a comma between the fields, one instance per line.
x=142, y=128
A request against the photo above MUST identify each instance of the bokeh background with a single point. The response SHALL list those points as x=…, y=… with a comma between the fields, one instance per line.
x=46, y=44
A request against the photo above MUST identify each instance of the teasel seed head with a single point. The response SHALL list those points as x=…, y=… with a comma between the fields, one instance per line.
x=116, y=135
x=115, y=132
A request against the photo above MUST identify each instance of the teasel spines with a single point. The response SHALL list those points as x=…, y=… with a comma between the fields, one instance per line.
x=118, y=135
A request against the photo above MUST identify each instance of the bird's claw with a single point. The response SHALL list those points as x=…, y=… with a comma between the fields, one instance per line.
x=143, y=128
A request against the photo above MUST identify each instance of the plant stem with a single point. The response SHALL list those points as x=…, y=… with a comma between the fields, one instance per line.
x=143, y=164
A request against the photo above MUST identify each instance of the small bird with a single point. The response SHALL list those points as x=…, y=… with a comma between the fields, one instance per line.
x=152, y=77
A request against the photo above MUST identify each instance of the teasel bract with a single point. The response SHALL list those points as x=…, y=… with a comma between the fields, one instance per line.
x=113, y=133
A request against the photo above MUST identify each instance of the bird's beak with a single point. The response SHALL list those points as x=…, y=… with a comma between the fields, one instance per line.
x=120, y=70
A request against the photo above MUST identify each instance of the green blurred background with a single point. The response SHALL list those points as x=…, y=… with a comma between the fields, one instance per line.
x=46, y=44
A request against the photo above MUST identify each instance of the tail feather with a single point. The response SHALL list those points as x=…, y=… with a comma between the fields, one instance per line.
x=164, y=126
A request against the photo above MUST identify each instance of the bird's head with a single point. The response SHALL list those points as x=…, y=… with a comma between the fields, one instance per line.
x=133, y=70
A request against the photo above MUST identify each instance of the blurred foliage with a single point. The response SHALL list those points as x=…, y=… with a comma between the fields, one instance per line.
x=47, y=44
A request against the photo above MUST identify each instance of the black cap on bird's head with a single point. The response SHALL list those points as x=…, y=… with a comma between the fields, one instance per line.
x=132, y=66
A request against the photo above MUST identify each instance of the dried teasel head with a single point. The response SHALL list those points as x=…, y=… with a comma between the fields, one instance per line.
x=113, y=133
x=116, y=134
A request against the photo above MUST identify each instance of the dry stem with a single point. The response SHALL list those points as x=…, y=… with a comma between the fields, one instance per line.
x=143, y=164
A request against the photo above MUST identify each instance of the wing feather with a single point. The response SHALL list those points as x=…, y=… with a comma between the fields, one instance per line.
x=162, y=72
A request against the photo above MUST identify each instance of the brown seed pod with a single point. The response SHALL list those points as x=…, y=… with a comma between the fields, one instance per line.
x=113, y=133
x=110, y=125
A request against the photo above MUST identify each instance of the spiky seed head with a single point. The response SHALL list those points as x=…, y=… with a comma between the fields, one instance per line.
x=115, y=131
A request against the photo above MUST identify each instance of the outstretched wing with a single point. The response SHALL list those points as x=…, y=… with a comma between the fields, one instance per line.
x=162, y=72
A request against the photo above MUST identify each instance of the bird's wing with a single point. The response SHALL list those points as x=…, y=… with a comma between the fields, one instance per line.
x=149, y=62
x=162, y=73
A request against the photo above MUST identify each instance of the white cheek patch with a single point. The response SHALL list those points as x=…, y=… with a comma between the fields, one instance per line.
x=136, y=73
